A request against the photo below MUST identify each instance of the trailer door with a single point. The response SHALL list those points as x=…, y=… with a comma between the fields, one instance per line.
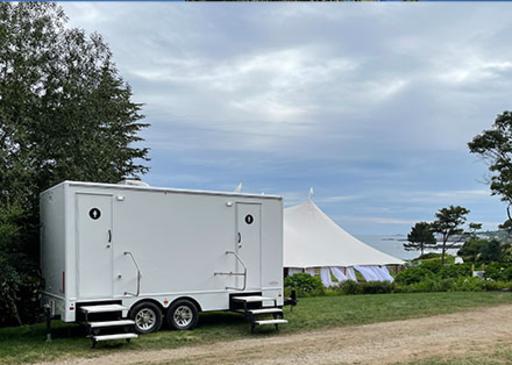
x=248, y=245
x=94, y=239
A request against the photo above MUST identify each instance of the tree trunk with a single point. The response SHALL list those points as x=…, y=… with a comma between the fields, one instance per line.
x=14, y=309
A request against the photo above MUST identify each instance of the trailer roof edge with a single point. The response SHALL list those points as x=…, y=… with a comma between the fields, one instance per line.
x=160, y=189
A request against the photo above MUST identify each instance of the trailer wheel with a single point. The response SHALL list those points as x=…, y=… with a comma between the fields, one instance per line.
x=147, y=317
x=182, y=315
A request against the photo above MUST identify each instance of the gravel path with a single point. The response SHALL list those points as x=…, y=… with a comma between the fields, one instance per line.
x=455, y=334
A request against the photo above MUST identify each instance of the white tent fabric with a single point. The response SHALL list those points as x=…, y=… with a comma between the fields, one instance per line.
x=312, y=239
x=351, y=274
x=339, y=274
x=367, y=272
x=375, y=273
x=325, y=276
x=310, y=271
x=294, y=270
x=383, y=273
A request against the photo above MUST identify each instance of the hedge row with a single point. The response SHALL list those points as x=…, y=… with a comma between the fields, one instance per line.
x=411, y=281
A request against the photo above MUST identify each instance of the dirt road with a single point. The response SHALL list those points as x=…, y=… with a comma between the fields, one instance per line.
x=461, y=333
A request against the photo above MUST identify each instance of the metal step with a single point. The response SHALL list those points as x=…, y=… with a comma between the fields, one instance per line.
x=265, y=311
x=270, y=321
x=120, y=336
x=122, y=322
x=103, y=308
x=253, y=299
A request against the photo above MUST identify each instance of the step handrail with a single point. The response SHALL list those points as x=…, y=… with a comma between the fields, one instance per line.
x=244, y=274
x=139, y=275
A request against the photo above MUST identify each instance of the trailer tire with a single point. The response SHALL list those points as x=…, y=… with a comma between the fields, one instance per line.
x=182, y=315
x=147, y=317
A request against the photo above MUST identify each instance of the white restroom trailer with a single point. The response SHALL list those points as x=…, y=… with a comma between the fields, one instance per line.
x=155, y=255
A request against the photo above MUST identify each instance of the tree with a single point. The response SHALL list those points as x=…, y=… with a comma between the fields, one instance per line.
x=449, y=224
x=495, y=147
x=65, y=113
x=420, y=237
x=479, y=250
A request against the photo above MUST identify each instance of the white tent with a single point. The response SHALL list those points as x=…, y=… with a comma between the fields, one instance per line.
x=313, y=240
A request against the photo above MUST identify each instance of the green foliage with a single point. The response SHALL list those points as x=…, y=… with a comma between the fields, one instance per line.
x=448, y=224
x=434, y=265
x=478, y=250
x=420, y=238
x=19, y=276
x=428, y=256
x=428, y=284
x=413, y=275
x=349, y=287
x=373, y=287
x=431, y=276
x=65, y=114
x=455, y=271
x=304, y=284
x=495, y=146
x=499, y=271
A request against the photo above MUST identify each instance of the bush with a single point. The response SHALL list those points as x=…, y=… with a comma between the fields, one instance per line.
x=428, y=256
x=456, y=271
x=373, y=287
x=304, y=284
x=19, y=275
x=349, y=287
x=498, y=271
x=412, y=275
x=429, y=284
x=377, y=287
x=468, y=284
x=433, y=265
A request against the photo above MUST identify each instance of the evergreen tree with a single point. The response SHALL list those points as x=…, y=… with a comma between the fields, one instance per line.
x=420, y=238
x=449, y=224
x=65, y=114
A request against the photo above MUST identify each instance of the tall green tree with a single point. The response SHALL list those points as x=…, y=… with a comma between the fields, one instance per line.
x=479, y=250
x=449, y=225
x=65, y=113
x=420, y=238
x=494, y=145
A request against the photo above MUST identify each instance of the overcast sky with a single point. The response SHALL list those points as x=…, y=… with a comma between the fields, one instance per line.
x=371, y=104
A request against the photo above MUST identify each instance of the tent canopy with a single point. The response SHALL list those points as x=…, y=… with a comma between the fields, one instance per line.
x=312, y=239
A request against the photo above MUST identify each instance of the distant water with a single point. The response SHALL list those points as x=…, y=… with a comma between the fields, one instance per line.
x=390, y=244
x=393, y=245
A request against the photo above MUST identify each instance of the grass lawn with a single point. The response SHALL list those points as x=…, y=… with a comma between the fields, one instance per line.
x=26, y=344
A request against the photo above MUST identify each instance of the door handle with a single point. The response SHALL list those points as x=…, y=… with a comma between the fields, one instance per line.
x=239, y=237
x=109, y=236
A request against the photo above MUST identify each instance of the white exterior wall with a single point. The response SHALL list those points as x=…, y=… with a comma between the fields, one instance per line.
x=178, y=238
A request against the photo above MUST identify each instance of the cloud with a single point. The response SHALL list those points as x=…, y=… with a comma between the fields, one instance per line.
x=372, y=104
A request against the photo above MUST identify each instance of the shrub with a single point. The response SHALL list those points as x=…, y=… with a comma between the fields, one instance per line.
x=456, y=271
x=434, y=266
x=376, y=287
x=304, y=284
x=349, y=287
x=428, y=256
x=498, y=271
x=429, y=284
x=19, y=275
x=468, y=284
x=412, y=275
